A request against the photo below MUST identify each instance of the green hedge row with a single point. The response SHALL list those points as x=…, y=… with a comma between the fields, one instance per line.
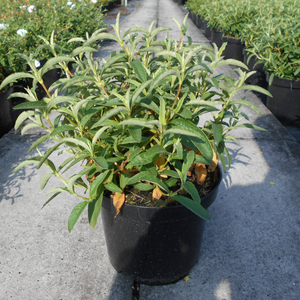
x=22, y=22
x=269, y=29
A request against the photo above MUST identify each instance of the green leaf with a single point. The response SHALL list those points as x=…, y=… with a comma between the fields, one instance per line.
x=60, y=99
x=38, y=142
x=45, y=179
x=156, y=181
x=161, y=76
x=256, y=88
x=191, y=189
x=24, y=96
x=101, y=162
x=246, y=103
x=22, y=117
x=195, y=207
x=27, y=127
x=110, y=114
x=31, y=105
x=53, y=62
x=97, y=182
x=113, y=188
x=136, y=133
x=143, y=186
x=188, y=160
x=14, y=77
x=47, y=154
x=75, y=214
x=51, y=198
x=170, y=173
x=139, y=69
x=94, y=209
x=218, y=132
x=62, y=128
x=137, y=177
x=197, y=136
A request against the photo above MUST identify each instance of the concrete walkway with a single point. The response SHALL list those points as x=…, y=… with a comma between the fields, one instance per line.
x=250, y=249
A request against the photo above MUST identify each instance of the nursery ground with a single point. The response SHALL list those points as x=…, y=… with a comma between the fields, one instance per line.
x=250, y=248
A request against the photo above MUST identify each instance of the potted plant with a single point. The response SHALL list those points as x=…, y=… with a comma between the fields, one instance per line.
x=131, y=127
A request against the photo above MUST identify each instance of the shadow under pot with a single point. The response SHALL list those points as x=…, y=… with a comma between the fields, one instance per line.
x=285, y=104
x=154, y=245
x=234, y=48
x=207, y=30
x=259, y=78
x=216, y=37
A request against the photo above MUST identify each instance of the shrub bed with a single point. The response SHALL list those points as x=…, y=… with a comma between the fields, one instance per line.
x=269, y=29
x=22, y=22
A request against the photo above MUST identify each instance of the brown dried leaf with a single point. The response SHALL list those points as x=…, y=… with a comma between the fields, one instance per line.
x=212, y=167
x=118, y=201
x=201, y=173
x=191, y=169
x=156, y=194
x=159, y=161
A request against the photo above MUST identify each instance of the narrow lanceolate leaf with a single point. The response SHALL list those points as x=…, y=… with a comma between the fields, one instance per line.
x=51, y=198
x=14, y=77
x=47, y=154
x=23, y=95
x=218, y=132
x=198, y=137
x=161, y=76
x=156, y=181
x=94, y=209
x=195, y=207
x=136, y=133
x=31, y=105
x=139, y=69
x=113, y=188
x=75, y=214
x=188, y=160
x=191, y=189
x=45, y=179
x=256, y=88
x=98, y=134
x=60, y=99
x=53, y=62
x=246, y=103
x=61, y=129
x=22, y=117
x=110, y=114
x=96, y=184
x=38, y=142
x=101, y=162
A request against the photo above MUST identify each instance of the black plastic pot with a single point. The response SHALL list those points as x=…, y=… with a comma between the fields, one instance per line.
x=216, y=37
x=259, y=78
x=207, y=30
x=285, y=104
x=234, y=49
x=199, y=22
x=154, y=245
x=6, y=120
x=193, y=17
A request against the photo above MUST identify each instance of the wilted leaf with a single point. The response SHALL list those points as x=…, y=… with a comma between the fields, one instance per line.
x=201, y=173
x=212, y=167
x=156, y=194
x=118, y=201
x=159, y=161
